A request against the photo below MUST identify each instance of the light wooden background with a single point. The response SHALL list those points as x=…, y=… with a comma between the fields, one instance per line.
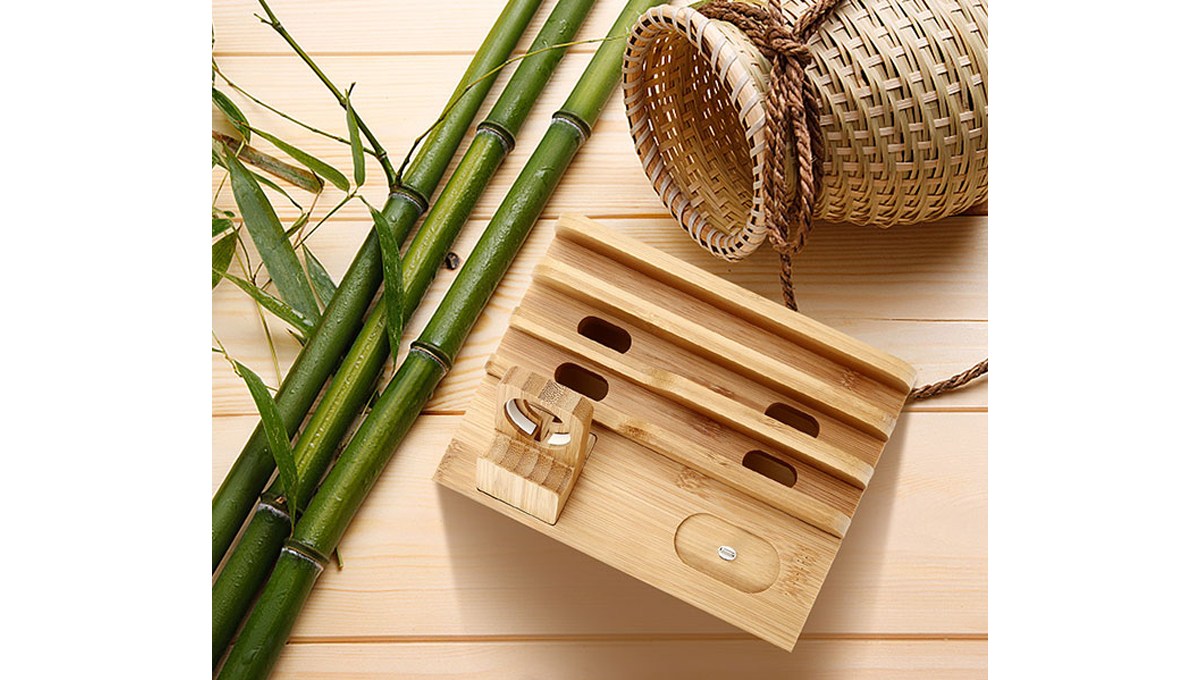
x=436, y=585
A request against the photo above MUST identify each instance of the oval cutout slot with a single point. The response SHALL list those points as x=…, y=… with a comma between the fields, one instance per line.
x=608, y=334
x=582, y=381
x=700, y=540
x=771, y=467
x=789, y=415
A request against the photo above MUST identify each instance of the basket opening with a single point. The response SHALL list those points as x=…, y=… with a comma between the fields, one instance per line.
x=702, y=142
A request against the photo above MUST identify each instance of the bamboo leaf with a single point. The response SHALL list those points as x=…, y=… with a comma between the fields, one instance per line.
x=277, y=436
x=393, y=280
x=297, y=225
x=356, y=147
x=321, y=281
x=221, y=222
x=262, y=180
x=272, y=304
x=218, y=154
x=294, y=175
x=318, y=166
x=222, y=250
x=273, y=246
x=232, y=112
x=278, y=189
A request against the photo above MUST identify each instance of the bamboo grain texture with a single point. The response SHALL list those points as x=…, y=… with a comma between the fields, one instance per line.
x=681, y=390
x=914, y=564
x=907, y=596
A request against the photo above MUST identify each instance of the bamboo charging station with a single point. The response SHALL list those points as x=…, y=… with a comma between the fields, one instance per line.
x=677, y=427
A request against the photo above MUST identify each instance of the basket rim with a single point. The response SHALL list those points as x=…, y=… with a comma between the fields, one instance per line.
x=742, y=89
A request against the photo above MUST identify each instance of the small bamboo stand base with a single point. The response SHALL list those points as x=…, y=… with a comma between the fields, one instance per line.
x=710, y=442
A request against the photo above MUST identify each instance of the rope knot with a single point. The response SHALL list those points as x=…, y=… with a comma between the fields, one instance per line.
x=793, y=129
x=787, y=47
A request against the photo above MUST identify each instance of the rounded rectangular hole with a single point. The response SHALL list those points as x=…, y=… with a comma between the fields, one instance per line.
x=789, y=415
x=771, y=467
x=582, y=381
x=608, y=334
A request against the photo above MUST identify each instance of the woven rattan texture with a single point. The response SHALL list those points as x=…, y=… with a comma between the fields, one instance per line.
x=903, y=85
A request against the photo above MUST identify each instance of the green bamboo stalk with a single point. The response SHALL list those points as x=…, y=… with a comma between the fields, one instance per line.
x=250, y=561
x=325, y=521
x=343, y=317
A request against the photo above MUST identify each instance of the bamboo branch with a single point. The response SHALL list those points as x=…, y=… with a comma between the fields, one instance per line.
x=296, y=121
x=279, y=28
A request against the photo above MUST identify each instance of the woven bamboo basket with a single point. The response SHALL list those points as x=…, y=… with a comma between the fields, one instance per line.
x=903, y=88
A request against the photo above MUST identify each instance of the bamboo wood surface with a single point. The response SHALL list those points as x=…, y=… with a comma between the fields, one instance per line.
x=536, y=475
x=914, y=563
x=907, y=594
x=666, y=496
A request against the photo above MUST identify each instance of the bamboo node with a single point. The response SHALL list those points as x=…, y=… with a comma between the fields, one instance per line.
x=433, y=353
x=496, y=130
x=272, y=505
x=412, y=195
x=574, y=121
x=306, y=553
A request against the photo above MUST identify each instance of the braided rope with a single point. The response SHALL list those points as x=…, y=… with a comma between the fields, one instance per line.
x=793, y=120
x=793, y=110
x=953, y=383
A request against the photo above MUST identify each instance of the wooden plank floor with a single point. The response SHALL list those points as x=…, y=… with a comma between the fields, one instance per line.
x=435, y=585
